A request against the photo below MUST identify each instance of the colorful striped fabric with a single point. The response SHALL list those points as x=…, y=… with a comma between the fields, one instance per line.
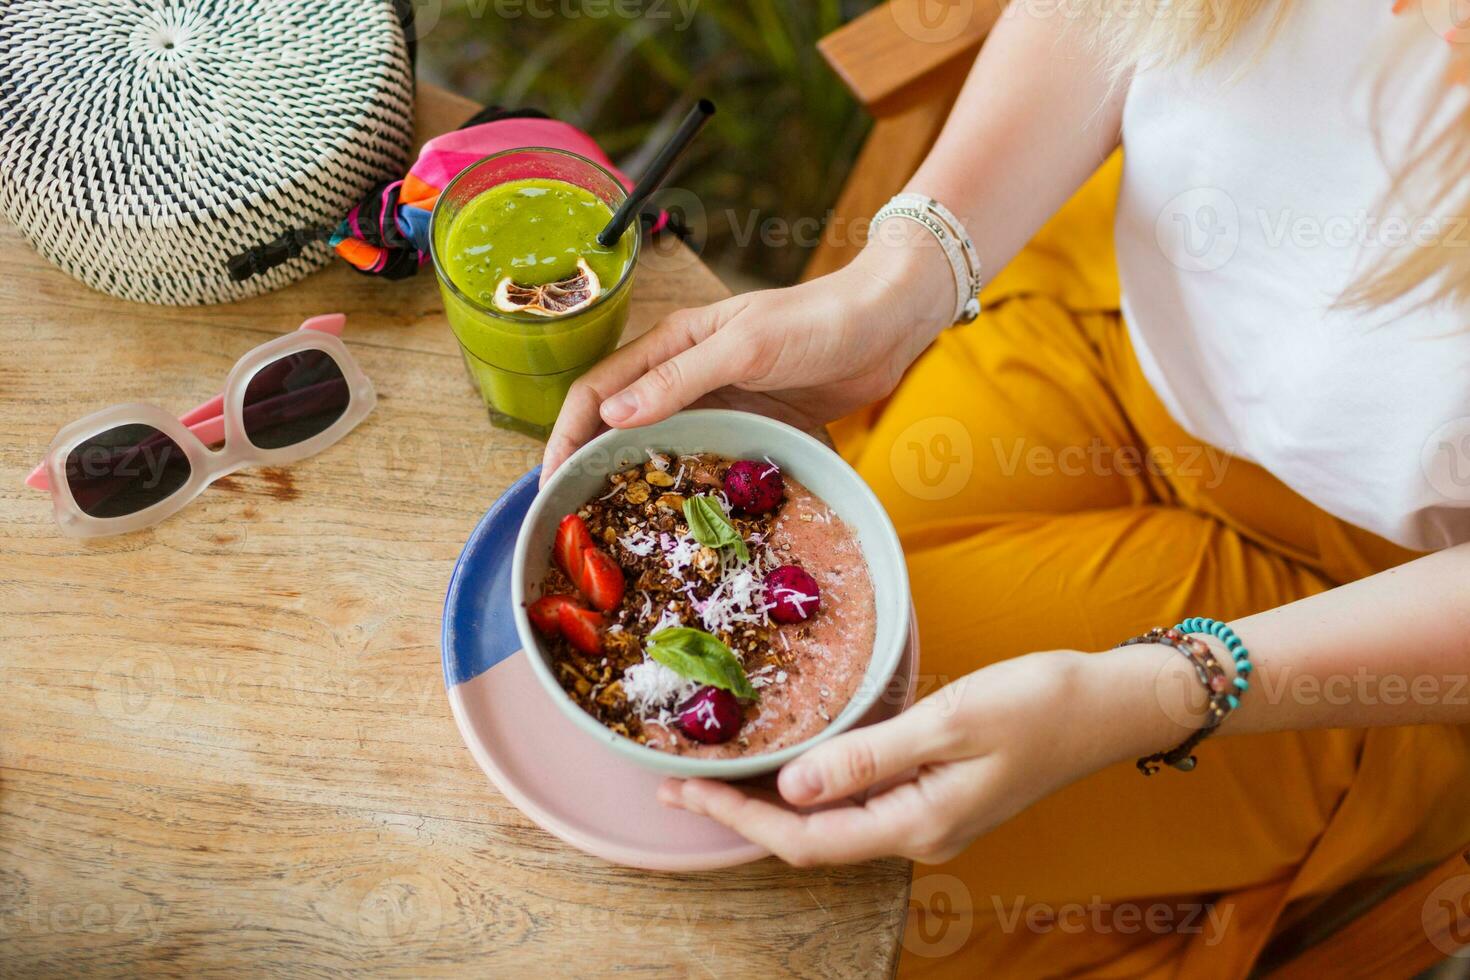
x=388, y=233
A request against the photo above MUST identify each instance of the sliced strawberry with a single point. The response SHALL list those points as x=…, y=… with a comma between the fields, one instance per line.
x=545, y=612
x=572, y=538
x=602, y=580
x=582, y=628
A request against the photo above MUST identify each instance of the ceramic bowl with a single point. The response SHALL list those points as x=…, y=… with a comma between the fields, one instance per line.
x=738, y=435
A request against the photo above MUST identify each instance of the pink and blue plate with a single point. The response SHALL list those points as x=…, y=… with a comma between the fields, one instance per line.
x=555, y=774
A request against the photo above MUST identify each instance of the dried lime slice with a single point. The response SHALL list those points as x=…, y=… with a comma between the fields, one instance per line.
x=559, y=298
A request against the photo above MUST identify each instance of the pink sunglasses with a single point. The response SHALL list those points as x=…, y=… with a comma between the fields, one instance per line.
x=130, y=466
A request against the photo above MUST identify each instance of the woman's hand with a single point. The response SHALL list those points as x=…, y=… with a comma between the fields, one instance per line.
x=968, y=757
x=1020, y=141
x=816, y=351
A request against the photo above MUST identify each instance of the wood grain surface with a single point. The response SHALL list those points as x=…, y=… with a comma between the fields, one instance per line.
x=880, y=53
x=224, y=742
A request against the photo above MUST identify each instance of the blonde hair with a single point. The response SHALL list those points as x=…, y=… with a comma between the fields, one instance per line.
x=1437, y=171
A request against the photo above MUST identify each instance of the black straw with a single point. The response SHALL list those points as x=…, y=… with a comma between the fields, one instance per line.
x=656, y=172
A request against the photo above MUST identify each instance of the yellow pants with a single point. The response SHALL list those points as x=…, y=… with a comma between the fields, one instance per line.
x=1047, y=500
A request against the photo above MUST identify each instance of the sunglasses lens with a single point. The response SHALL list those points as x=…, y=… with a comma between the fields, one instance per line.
x=124, y=470
x=290, y=400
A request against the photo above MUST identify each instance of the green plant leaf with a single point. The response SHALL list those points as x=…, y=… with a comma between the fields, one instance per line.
x=710, y=526
x=785, y=116
x=700, y=657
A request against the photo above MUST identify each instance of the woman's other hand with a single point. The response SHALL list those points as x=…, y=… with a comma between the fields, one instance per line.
x=957, y=763
x=816, y=351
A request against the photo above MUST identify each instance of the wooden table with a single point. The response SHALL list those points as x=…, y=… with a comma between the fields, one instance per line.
x=224, y=741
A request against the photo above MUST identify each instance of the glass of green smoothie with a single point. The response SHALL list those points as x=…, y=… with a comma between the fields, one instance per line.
x=531, y=296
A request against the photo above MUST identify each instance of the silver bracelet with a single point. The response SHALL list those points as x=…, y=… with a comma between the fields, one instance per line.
x=958, y=248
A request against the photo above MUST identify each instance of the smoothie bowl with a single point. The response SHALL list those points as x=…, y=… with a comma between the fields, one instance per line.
x=711, y=595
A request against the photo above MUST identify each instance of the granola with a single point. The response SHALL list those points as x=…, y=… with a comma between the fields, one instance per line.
x=642, y=518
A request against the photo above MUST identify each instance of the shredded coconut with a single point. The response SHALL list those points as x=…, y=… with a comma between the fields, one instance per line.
x=652, y=688
x=738, y=599
x=678, y=553
x=667, y=619
x=704, y=712
x=640, y=543
x=796, y=598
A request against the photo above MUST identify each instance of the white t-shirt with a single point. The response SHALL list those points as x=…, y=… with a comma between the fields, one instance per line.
x=1248, y=205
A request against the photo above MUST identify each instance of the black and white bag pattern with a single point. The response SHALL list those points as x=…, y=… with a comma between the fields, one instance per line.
x=144, y=142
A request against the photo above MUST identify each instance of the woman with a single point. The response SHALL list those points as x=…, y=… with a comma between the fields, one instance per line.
x=1272, y=429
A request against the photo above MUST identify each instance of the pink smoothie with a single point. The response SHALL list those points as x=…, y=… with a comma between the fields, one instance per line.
x=827, y=655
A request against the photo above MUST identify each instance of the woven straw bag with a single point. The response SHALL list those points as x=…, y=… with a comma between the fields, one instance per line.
x=144, y=142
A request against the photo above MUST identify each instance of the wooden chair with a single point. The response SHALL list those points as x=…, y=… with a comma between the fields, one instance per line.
x=905, y=62
x=907, y=76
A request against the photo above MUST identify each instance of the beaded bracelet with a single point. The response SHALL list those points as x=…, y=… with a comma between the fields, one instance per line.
x=954, y=240
x=1211, y=677
x=1233, y=644
x=1224, y=694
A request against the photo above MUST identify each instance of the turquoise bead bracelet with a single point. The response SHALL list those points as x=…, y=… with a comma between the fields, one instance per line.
x=1234, y=645
x=1224, y=693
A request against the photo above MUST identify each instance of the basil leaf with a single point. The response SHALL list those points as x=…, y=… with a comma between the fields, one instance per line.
x=710, y=526
x=700, y=657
